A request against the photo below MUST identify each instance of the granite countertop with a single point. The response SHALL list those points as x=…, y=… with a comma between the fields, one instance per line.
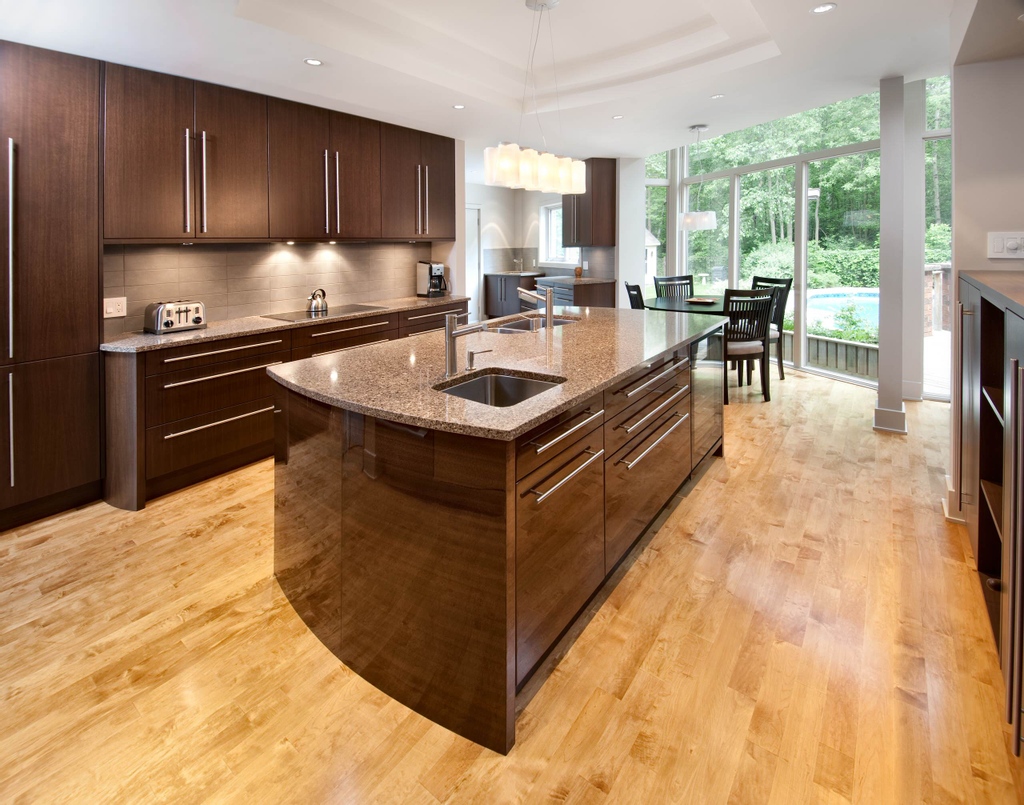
x=254, y=325
x=579, y=280
x=395, y=380
x=1007, y=283
x=514, y=274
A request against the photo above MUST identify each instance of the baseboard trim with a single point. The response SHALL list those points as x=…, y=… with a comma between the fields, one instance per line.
x=891, y=421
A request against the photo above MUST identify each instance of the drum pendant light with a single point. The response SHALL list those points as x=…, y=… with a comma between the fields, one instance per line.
x=697, y=220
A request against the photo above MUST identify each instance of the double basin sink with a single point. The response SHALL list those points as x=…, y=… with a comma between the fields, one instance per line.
x=498, y=389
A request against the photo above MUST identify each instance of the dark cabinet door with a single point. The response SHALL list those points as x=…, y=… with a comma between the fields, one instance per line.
x=49, y=122
x=1011, y=631
x=355, y=155
x=583, y=211
x=569, y=221
x=51, y=427
x=603, y=196
x=300, y=183
x=559, y=546
x=438, y=154
x=148, y=175
x=970, y=407
x=401, y=175
x=231, y=163
x=493, y=289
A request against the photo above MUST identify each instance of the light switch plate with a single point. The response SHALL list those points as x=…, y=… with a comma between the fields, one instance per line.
x=1006, y=245
x=115, y=307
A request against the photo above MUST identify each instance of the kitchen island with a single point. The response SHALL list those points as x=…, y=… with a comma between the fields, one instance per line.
x=440, y=546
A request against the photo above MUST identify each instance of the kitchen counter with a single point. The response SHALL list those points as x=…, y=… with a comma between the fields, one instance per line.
x=578, y=280
x=514, y=274
x=396, y=380
x=254, y=325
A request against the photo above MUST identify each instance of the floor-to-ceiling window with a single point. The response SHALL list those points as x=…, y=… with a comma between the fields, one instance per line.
x=707, y=251
x=938, y=246
x=656, y=238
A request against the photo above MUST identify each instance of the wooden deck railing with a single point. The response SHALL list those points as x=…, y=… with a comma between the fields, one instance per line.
x=848, y=357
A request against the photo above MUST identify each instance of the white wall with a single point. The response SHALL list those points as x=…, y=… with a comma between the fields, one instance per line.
x=498, y=215
x=529, y=216
x=454, y=254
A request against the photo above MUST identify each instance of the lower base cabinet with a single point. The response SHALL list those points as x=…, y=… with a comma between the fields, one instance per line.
x=50, y=436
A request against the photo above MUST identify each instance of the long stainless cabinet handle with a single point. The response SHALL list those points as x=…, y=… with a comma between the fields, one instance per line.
x=542, y=496
x=426, y=199
x=960, y=421
x=346, y=349
x=432, y=315
x=10, y=247
x=222, y=374
x=1017, y=601
x=675, y=367
x=542, y=448
x=419, y=200
x=337, y=192
x=188, y=181
x=10, y=421
x=1011, y=530
x=665, y=435
x=327, y=196
x=203, y=222
x=350, y=329
x=647, y=417
x=220, y=351
x=220, y=422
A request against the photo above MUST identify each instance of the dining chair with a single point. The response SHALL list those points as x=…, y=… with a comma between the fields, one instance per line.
x=746, y=335
x=779, y=314
x=636, y=296
x=675, y=287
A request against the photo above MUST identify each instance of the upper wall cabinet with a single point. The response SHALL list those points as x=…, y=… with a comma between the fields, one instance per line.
x=182, y=158
x=300, y=170
x=355, y=147
x=49, y=125
x=417, y=184
x=590, y=219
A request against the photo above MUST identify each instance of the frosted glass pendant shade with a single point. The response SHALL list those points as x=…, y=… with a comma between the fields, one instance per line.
x=565, y=175
x=547, y=175
x=529, y=164
x=698, y=220
x=508, y=165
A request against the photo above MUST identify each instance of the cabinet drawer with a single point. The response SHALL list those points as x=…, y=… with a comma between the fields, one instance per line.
x=641, y=477
x=650, y=405
x=428, y=326
x=559, y=547
x=657, y=373
x=342, y=344
x=408, y=319
x=193, y=392
x=189, y=442
x=192, y=356
x=547, y=441
x=337, y=330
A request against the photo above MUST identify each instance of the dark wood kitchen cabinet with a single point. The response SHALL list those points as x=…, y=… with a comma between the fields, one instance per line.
x=355, y=148
x=590, y=219
x=501, y=292
x=182, y=158
x=49, y=124
x=300, y=168
x=417, y=184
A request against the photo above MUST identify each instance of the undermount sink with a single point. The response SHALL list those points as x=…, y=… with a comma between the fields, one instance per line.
x=500, y=390
x=530, y=325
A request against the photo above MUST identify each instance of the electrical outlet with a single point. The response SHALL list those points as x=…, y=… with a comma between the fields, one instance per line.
x=586, y=266
x=1006, y=245
x=115, y=307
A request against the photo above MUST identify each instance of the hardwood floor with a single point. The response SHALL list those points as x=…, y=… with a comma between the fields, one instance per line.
x=803, y=627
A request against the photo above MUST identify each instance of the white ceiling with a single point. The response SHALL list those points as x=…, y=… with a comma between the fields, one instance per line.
x=656, y=62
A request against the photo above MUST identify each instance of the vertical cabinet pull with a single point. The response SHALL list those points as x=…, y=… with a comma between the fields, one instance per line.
x=327, y=197
x=10, y=247
x=188, y=181
x=10, y=421
x=960, y=393
x=337, y=192
x=1014, y=533
x=426, y=199
x=419, y=200
x=203, y=223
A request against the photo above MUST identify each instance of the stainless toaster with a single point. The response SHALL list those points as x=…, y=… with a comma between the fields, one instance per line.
x=169, y=317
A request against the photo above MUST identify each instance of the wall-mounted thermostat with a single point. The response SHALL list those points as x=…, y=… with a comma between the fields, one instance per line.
x=1006, y=245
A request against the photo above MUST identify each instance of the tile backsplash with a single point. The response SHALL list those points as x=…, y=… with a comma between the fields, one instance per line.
x=252, y=279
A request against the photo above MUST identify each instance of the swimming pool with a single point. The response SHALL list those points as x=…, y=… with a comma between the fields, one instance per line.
x=824, y=303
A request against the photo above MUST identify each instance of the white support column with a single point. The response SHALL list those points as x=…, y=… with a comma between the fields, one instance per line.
x=672, y=233
x=914, y=99
x=683, y=200
x=800, y=266
x=890, y=414
x=734, y=231
x=629, y=251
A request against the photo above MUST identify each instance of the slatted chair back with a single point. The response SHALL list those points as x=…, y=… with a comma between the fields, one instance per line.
x=749, y=313
x=784, y=286
x=679, y=287
x=636, y=296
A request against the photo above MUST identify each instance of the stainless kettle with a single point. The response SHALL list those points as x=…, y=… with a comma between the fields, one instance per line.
x=317, y=301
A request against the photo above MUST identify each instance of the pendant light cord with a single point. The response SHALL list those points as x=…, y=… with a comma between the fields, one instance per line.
x=533, y=73
x=554, y=74
x=530, y=51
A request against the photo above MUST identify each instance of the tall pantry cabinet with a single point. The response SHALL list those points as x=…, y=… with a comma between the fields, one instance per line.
x=49, y=325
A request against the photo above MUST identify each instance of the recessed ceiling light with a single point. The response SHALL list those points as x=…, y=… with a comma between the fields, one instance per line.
x=290, y=242
x=717, y=97
x=313, y=62
x=617, y=117
x=824, y=8
x=459, y=106
x=332, y=242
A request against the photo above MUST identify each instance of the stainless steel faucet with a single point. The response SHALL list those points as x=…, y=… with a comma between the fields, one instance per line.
x=452, y=331
x=549, y=302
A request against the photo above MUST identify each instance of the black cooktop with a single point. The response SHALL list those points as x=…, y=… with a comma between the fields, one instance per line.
x=333, y=312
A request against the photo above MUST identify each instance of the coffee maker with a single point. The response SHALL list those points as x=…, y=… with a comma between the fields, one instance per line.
x=430, y=281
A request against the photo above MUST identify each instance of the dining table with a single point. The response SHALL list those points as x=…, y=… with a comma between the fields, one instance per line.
x=678, y=304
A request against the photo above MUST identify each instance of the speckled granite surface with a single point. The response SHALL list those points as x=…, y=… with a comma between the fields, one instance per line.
x=254, y=325
x=579, y=280
x=396, y=380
